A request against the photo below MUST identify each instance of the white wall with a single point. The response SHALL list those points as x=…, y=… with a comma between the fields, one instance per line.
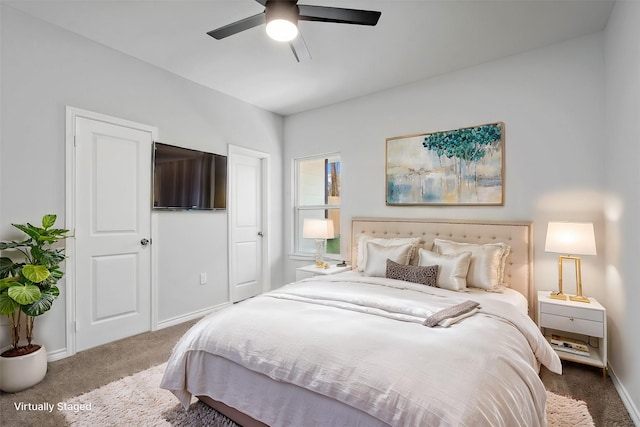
x=623, y=203
x=44, y=69
x=552, y=103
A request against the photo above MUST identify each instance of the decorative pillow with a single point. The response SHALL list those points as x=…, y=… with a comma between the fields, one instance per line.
x=452, y=269
x=425, y=275
x=486, y=269
x=377, y=256
x=361, y=260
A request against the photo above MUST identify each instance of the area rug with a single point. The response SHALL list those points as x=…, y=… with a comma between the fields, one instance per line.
x=137, y=400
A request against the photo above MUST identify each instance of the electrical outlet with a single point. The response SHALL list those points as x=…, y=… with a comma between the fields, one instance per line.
x=203, y=278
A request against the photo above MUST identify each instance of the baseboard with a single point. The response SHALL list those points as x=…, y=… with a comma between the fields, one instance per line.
x=62, y=353
x=54, y=355
x=190, y=316
x=626, y=399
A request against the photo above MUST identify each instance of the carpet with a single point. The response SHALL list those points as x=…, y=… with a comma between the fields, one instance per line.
x=137, y=400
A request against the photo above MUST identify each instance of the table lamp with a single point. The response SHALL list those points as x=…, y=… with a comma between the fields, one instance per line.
x=320, y=230
x=570, y=238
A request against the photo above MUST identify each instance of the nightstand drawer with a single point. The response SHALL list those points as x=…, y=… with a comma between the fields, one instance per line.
x=572, y=324
x=575, y=312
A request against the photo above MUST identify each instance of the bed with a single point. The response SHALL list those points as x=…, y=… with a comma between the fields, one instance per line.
x=380, y=345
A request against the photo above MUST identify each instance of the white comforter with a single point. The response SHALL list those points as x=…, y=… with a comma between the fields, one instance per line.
x=361, y=341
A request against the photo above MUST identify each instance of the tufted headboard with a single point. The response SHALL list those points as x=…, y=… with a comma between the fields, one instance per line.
x=517, y=234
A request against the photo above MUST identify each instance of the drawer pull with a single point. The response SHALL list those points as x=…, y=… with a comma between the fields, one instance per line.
x=571, y=318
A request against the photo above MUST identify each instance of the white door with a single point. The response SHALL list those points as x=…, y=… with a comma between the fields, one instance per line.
x=248, y=235
x=112, y=231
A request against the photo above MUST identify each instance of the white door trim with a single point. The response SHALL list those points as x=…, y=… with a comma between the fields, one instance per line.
x=72, y=114
x=266, y=208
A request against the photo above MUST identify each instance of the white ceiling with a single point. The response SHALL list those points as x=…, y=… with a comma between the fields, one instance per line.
x=414, y=40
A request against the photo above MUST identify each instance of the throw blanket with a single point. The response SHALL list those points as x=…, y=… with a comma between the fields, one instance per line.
x=453, y=312
x=362, y=342
x=398, y=310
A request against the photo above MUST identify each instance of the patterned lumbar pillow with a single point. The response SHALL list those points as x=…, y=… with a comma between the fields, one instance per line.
x=425, y=275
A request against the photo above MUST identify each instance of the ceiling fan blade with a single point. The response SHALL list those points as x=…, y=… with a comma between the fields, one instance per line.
x=264, y=2
x=299, y=49
x=238, y=26
x=339, y=15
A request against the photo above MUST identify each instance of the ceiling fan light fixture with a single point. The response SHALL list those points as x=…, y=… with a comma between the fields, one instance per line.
x=282, y=20
x=282, y=30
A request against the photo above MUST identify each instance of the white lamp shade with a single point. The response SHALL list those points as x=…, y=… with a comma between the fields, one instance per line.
x=317, y=229
x=571, y=238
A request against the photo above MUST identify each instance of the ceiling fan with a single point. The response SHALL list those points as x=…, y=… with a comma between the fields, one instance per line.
x=282, y=16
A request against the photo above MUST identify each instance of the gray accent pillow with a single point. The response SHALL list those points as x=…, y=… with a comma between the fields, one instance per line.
x=426, y=275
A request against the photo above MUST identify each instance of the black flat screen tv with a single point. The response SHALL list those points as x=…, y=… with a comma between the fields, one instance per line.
x=185, y=179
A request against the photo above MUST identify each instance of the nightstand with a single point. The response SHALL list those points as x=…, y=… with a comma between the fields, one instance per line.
x=312, y=270
x=576, y=320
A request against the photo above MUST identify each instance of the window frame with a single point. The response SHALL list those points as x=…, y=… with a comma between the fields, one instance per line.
x=297, y=209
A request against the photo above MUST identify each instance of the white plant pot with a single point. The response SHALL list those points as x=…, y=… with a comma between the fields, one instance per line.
x=22, y=372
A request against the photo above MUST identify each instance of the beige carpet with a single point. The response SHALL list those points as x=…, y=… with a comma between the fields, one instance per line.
x=137, y=400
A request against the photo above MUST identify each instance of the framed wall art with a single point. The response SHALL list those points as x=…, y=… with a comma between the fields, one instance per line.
x=455, y=167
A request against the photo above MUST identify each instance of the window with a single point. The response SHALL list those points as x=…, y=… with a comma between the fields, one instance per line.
x=317, y=195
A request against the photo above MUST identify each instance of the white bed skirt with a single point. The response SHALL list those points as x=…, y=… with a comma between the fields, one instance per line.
x=262, y=398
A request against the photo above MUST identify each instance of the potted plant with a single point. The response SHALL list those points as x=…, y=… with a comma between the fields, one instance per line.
x=27, y=290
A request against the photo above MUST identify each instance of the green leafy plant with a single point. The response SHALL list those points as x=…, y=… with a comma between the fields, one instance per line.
x=28, y=284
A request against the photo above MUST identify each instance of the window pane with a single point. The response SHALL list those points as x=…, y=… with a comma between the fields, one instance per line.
x=308, y=245
x=319, y=181
x=333, y=180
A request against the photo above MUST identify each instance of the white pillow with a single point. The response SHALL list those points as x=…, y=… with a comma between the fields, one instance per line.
x=452, y=268
x=377, y=256
x=486, y=269
x=361, y=260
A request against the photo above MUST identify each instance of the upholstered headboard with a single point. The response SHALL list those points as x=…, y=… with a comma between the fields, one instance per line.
x=517, y=234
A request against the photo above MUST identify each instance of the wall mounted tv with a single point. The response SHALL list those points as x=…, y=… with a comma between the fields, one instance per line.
x=188, y=179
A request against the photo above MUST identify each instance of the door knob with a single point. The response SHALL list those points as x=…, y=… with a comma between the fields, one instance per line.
x=144, y=242
x=260, y=233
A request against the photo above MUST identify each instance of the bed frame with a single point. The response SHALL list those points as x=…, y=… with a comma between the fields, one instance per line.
x=518, y=271
x=517, y=234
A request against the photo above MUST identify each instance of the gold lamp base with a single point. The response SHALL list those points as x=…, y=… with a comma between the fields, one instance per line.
x=579, y=298
x=558, y=295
